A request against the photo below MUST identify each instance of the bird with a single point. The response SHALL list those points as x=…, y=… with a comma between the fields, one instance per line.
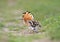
x=27, y=16
x=34, y=24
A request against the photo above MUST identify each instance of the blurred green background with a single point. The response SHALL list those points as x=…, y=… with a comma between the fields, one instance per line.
x=47, y=12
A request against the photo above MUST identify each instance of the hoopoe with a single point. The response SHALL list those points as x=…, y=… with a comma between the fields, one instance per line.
x=34, y=25
x=27, y=16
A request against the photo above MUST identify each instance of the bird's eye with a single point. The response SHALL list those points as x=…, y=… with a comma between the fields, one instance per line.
x=24, y=13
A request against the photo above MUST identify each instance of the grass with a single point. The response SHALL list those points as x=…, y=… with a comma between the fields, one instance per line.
x=23, y=38
x=45, y=11
x=1, y=25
